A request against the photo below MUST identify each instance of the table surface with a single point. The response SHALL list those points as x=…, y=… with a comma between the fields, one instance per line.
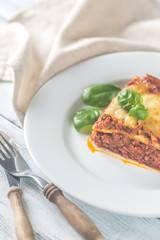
x=49, y=223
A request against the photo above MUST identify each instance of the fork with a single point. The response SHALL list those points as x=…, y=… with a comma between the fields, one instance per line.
x=9, y=159
x=22, y=224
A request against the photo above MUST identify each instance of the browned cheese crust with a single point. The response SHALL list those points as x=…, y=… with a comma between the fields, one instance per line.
x=134, y=139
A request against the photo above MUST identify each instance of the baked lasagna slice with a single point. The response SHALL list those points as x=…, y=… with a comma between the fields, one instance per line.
x=130, y=137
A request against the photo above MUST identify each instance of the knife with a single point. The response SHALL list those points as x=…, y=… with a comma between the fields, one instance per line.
x=17, y=167
x=73, y=214
x=22, y=224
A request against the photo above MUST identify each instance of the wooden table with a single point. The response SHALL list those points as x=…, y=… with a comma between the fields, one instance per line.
x=47, y=221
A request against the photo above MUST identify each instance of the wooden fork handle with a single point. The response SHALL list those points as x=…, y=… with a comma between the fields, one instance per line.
x=75, y=216
x=22, y=224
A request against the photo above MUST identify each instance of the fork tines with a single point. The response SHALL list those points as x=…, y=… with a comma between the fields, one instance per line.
x=6, y=150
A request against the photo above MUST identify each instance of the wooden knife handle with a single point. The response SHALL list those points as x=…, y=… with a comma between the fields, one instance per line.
x=75, y=216
x=22, y=224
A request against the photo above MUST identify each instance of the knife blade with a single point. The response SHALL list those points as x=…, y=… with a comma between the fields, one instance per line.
x=12, y=181
x=75, y=216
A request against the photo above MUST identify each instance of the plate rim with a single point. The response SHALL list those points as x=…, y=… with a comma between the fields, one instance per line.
x=41, y=168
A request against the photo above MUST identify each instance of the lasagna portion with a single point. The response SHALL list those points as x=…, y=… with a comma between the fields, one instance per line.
x=130, y=137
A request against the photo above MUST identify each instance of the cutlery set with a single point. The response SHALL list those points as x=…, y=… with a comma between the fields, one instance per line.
x=16, y=168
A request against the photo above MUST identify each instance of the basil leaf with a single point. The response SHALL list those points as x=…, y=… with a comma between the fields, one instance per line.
x=84, y=119
x=99, y=95
x=139, y=111
x=129, y=98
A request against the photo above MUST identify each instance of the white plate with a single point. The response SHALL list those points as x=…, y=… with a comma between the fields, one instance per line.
x=63, y=154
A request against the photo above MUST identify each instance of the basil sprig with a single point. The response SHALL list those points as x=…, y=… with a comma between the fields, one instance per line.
x=132, y=101
x=129, y=98
x=139, y=111
x=84, y=119
x=99, y=95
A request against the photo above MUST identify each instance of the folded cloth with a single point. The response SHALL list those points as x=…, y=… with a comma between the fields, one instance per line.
x=53, y=35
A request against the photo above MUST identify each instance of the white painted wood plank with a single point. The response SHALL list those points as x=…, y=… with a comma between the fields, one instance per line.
x=46, y=219
x=6, y=108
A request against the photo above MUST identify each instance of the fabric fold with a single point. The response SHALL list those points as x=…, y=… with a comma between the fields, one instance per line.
x=53, y=35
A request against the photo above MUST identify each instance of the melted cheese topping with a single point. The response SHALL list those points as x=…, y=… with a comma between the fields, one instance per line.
x=121, y=114
x=151, y=103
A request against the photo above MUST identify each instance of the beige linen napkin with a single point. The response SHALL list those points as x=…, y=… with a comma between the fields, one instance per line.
x=55, y=34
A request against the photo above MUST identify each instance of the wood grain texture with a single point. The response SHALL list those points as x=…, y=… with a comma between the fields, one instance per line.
x=47, y=222
x=22, y=224
x=74, y=215
x=46, y=219
x=6, y=109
